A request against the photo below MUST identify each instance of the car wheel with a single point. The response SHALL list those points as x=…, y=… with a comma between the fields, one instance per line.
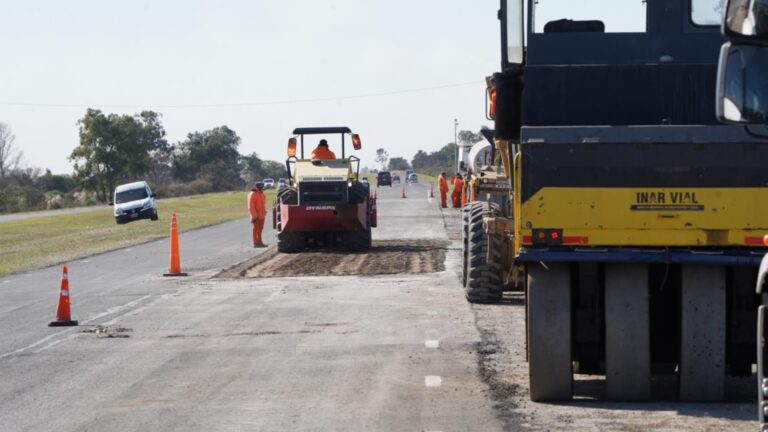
x=155, y=216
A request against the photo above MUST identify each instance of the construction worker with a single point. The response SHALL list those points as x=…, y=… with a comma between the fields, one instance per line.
x=458, y=186
x=321, y=152
x=258, y=213
x=443, y=186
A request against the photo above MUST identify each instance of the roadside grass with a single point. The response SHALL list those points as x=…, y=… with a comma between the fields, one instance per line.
x=39, y=242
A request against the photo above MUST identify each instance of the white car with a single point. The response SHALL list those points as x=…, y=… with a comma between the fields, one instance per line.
x=282, y=184
x=268, y=183
x=365, y=181
x=134, y=201
x=413, y=178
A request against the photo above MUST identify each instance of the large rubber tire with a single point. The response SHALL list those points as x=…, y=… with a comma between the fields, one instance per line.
x=483, y=278
x=289, y=242
x=465, y=213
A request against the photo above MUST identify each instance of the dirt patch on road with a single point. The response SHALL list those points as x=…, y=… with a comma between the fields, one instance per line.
x=385, y=257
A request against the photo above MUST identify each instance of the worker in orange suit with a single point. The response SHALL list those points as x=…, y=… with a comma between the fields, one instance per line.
x=258, y=212
x=458, y=186
x=322, y=152
x=443, y=186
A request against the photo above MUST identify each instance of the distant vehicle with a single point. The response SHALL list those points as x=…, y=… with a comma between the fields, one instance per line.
x=384, y=178
x=365, y=181
x=408, y=173
x=134, y=201
x=395, y=178
x=413, y=178
x=268, y=183
x=282, y=183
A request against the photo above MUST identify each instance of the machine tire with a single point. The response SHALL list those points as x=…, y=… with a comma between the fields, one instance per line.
x=465, y=215
x=483, y=283
x=289, y=242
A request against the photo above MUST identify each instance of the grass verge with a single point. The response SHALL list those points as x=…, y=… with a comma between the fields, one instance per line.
x=39, y=242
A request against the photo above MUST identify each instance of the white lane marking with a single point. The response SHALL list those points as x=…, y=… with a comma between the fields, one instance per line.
x=432, y=313
x=432, y=344
x=128, y=250
x=84, y=261
x=109, y=311
x=433, y=381
x=8, y=281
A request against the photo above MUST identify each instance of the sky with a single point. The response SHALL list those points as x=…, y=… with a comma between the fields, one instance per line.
x=251, y=65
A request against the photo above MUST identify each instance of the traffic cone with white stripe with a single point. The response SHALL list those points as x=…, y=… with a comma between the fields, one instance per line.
x=63, y=315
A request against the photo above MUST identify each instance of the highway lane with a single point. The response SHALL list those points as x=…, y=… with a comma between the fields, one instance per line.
x=305, y=353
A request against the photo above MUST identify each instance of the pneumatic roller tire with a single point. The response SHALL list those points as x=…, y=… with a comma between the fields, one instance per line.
x=289, y=242
x=483, y=283
x=549, y=332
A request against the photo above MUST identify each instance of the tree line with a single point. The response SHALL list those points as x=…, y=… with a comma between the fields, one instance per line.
x=115, y=149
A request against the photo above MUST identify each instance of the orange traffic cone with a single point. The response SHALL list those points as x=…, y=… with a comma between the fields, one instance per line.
x=175, y=269
x=471, y=194
x=63, y=317
x=431, y=190
x=403, y=195
x=463, y=197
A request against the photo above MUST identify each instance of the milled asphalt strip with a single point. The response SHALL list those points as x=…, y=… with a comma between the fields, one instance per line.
x=110, y=311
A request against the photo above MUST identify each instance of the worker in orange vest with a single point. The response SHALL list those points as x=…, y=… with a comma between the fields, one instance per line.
x=258, y=212
x=458, y=186
x=322, y=152
x=443, y=186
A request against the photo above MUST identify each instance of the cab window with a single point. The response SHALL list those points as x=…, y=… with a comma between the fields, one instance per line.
x=603, y=16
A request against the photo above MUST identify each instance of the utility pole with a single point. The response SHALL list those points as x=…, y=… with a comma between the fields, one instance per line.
x=456, y=141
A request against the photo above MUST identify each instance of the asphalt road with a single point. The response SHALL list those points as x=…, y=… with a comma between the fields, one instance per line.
x=311, y=353
x=350, y=353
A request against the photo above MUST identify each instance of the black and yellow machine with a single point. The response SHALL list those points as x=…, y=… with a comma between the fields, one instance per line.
x=637, y=218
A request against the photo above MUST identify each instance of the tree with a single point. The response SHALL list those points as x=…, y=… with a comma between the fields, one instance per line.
x=469, y=138
x=212, y=156
x=10, y=156
x=382, y=157
x=114, y=148
x=399, y=164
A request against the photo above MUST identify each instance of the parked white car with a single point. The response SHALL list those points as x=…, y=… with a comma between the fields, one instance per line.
x=282, y=184
x=134, y=201
x=269, y=183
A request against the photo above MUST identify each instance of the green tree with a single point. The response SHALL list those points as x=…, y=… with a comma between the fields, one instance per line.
x=382, y=157
x=469, y=138
x=115, y=148
x=212, y=156
x=398, y=163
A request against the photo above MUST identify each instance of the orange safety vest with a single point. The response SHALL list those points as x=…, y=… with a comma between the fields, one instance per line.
x=256, y=207
x=443, y=184
x=322, y=153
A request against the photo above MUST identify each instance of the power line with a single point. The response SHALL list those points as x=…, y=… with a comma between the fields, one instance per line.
x=244, y=104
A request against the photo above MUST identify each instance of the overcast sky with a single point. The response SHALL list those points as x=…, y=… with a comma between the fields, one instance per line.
x=126, y=56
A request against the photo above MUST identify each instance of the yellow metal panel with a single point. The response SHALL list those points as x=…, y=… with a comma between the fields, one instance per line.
x=651, y=217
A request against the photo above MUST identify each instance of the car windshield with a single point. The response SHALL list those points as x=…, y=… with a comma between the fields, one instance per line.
x=130, y=195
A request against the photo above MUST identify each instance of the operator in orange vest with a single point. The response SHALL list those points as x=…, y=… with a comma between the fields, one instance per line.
x=321, y=152
x=458, y=186
x=258, y=213
x=443, y=186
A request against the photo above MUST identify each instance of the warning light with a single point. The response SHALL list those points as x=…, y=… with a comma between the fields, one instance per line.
x=541, y=235
x=765, y=240
x=554, y=235
x=492, y=110
x=357, y=143
x=292, y=147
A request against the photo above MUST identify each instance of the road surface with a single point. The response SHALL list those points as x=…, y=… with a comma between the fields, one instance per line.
x=364, y=351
